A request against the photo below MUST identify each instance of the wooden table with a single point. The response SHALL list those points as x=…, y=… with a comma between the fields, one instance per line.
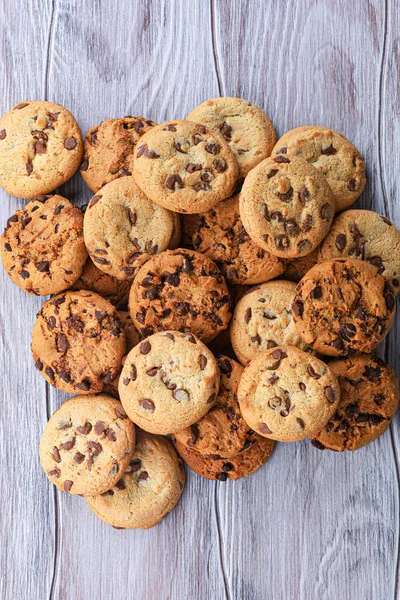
x=310, y=524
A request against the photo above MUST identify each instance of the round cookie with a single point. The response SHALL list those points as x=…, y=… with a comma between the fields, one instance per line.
x=220, y=235
x=222, y=432
x=332, y=154
x=369, y=398
x=78, y=342
x=94, y=280
x=181, y=290
x=149, y=489
x=123, y=228
x=109, y=148
x=246, y=128
x=343, y=307
x=185, y=167
x=368, y=236
x=237, y=467
x=286, y=206
x=168, y=382
x=87, y=445
x=262, y=319
x=288, y=395
x=40, y=148
x=42, y=247
x=298, y=267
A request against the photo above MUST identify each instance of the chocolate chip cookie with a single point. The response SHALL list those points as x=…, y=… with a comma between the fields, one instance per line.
x=246, y=128
x=40, y=148
x=262, y=319
x=42, y=247
x=288, y=395
x=185, y=167
x=332, y=154
x=109, y=148
x=286, y=206
x=182, y=290
x=94, y=280
x=149, y=489
x=298, y=267
x=78, y=342
x=87, y=445
x=234, y=468
x=220, y=235
x=368, y=236
x=222, y=432
x=123, y=228
x=343, y=307
x=168, y=382
x=369, y=398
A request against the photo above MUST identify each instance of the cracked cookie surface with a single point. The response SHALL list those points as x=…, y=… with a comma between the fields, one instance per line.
x=332, y=154
x=368, y=236
x=149, y=489
x=288, y=395
x=108, y=150
x=78, y=342
x=185, y=167
x=286, y=206
x=220, y=235
x=42, y=247
x=236, y=467
x=246, y=128
x=182, y=290
x=222, y=432
x=107, y=286
x=369, y=398
x=123, y=228
x=87, y=445
x=40, y=148
x=262, y=319
x=168, y=382
x=343, y=307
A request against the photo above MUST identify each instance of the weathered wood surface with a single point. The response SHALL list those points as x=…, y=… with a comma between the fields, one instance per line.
x=309, y=524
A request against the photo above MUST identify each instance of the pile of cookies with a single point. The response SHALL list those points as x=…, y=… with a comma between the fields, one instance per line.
x=207, y=293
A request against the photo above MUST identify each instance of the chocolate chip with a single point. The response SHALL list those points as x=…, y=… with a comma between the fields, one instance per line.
x=173, y=279
x=169, y=128
x=39, y=364
x=352, y=185
x=329, y=150
x=21, y=105
x=372, y=373
x=361, y=314
x=95, y=448
x=212, y=148
x=326, y=212
x=43, y=266
x=84, y=385
x=282, y=241
x=247, y=315
x=347, y=331
x=111, y=435
x=84, y=165
x=338, y=344
x=145, y=347
x=40, y=147
x=202, y=362
x=202, y=186
x=330, y=394
x=94, y=201
x=226, y=131
x=263, y=428
x=285, y=197
x=3, y=134
x=147, y=404
x=143, y=476
x=153, y=371
x=181, y=395
x=56, y=455
x=7, y=247
x=50, y=373
x=307, y=223
x=272, y=173
x=220, y=165
x=316, y=293
x=54, y=473
x=292, y=228
x=192, y=167
x=70, y=143
x=84, y=429
x=302, y=386
x=281, y=159
x=62, y=342
x=173, y=181
x=135, y=465
x=29, y=167
x=100, y=261
x=300, y=423
x=225, y=366
x=68, y=445
x=298, y=308
x=379, y=399
x=68, y=485
x=340, y=241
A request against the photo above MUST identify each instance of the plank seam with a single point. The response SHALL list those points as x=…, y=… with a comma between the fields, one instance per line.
x=383, y=60
x=220, y=553
x=49, y=50
x=214, y=48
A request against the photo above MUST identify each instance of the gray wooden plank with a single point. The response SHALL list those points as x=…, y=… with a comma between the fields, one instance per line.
x=27, y=515
x=312, y=524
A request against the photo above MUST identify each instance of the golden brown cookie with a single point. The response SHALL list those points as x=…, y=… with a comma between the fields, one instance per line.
x=262, y=319
x=87, y=445
x=343, y=307
x=40, y=148
x=109, y=149
x=149, y=489
x=185, y=167
x=244, y=464
x=298, y=267
x=332, y=154
x=369, y=398
x=42, y=247
x=123, y=228
x=94, y=280
x=288, y=395
x=246, y=128
x=181, y=290
x=222, y=432
x=78, y=342
x=286, y=206
x=368, y=236
x=220, y=235
x=168, y=382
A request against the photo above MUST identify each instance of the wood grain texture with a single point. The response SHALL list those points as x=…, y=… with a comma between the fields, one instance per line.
x=309, y=524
